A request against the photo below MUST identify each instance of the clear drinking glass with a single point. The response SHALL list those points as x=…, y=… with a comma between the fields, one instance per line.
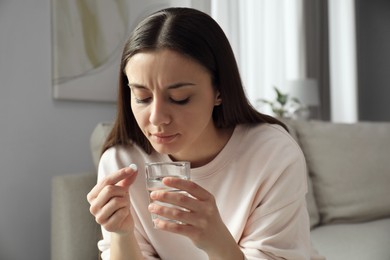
x=157, y=171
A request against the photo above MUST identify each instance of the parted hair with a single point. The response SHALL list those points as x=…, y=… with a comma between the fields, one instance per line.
x=196, y=35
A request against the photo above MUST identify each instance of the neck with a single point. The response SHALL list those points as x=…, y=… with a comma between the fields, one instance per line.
x=207, y=153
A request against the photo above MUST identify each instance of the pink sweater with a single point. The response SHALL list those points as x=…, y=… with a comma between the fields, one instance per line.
x=259, y=183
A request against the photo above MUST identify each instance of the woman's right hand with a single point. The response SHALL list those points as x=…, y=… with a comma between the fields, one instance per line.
x=110, y=202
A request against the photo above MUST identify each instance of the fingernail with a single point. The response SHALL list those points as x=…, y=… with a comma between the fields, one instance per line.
x=153, y=194
x=133, y=167
x=151, y=207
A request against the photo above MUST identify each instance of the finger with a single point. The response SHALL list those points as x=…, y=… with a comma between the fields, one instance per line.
x=182, y=229
x=174, y=213
x=114, y=222
x=110, y=208
x=106, y=194
x=186, y=185
x=112, y=179
x=181, y=199
x=129, y=180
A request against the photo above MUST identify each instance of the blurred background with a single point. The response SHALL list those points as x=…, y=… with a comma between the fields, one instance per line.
x=342, y=45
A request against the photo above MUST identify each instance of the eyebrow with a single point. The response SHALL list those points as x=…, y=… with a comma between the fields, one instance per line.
x=173, y=86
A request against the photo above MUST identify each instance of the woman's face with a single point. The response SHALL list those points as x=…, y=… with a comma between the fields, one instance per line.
x=172, y=99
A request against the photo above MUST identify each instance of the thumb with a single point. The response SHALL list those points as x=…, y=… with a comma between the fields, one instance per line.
x=132, y=171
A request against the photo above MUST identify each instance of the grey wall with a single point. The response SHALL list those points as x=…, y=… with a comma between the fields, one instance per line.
x=39, y=137
x=373, y=44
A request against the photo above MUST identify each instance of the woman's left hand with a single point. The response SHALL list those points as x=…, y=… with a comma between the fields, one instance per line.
x=202, y=221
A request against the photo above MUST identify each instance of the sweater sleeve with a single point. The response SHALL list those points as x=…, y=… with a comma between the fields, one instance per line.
x=278, y=235
x=104, y=246
x=278, y=226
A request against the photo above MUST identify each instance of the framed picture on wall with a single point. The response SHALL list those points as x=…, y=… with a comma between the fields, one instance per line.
x=87, y=37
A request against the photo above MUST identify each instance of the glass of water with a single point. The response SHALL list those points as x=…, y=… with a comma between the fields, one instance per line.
x=157, y=171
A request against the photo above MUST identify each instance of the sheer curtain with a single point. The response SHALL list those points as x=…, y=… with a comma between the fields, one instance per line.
x=279, y=41
x=268, y=40
x=343, y=61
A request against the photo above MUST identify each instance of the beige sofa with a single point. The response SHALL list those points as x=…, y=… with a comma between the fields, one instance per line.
x=348, y=199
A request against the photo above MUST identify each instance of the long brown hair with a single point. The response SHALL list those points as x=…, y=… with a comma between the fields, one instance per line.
x=196, y=35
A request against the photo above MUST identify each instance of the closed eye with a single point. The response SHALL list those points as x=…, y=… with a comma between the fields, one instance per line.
x=180, y=102
x=142, y=101
x=147, y=100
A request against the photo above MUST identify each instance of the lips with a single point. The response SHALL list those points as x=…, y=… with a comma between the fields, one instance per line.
x=163, y=138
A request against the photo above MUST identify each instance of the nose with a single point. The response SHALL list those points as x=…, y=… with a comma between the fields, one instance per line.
x=160, y=113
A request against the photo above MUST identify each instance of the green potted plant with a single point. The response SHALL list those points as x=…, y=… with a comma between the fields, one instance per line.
x=283, y=106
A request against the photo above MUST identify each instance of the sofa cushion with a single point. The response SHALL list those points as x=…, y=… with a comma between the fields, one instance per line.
x=74, y=232
x=357, y=241
x=97, y=139
x=350, y=169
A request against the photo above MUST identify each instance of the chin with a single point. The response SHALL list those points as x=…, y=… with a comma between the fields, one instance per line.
x=165, y=149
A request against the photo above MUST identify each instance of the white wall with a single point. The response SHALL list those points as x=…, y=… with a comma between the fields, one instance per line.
x=39, y=137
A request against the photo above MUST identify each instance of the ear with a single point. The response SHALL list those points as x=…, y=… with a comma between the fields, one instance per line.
x=218, y=99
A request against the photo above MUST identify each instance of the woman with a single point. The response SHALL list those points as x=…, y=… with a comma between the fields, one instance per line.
x=181, y=99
